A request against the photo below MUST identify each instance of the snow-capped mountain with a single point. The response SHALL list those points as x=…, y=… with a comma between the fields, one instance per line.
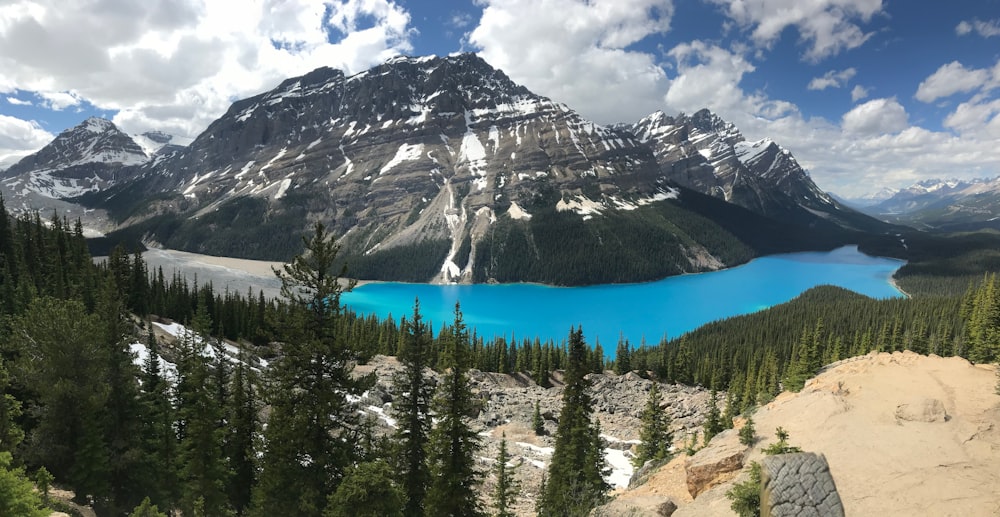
x=448, y=163
x=954, y=203
x=81, y=159
x=157, y=142
x=710, y=155
x=872, y=198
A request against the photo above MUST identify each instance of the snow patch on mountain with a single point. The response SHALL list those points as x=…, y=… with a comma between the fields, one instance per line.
x=405, y=153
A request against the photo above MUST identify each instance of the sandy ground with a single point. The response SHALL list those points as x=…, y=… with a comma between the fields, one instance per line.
x=891, y=450
x=235, y=274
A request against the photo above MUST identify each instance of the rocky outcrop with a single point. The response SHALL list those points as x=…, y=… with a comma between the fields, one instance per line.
x=647, y=506
x=923, y=410
x=715, y=464
x=798, y=485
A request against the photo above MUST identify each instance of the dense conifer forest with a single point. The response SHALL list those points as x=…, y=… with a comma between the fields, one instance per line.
x=236, y=438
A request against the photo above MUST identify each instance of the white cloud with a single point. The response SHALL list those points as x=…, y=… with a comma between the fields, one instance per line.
x=18, y=102
x=875, y=117
x=576, y=52
x=976, y=119
x=954, y=78
x=832, y=79
x=708, y=76
x=176, y=65
x=826, y=26
x=20, y=137
x=859, y=92
x=984, y=28
x=59, y=101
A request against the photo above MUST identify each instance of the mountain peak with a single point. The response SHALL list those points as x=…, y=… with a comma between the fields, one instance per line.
x=96, y=125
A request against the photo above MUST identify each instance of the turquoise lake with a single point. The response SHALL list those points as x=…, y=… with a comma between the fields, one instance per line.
x=650, y=311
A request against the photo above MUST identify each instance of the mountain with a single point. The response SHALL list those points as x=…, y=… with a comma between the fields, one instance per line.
x=444, y=169
x=707, y=154
x=952, y=205
x=866, y=200
x=81, y=159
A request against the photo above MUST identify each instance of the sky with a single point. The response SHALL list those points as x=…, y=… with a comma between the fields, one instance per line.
x=865, y=93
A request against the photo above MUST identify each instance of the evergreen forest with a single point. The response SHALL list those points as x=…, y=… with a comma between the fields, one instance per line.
x=278, y=431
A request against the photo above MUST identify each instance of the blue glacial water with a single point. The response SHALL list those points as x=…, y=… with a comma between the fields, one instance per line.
x=650, y=311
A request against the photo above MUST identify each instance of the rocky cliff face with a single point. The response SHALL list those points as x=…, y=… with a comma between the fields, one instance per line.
x=709, y=155
x=443, y=169
x=88, y=157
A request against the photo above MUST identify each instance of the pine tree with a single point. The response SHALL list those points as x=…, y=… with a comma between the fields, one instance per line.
x=748, y=434
x=368, y=490
x=507, y=487
x=310, y=435
x=201, y=465
x=713, y=419
x=575, y=482
x=159, y=437
x=537, y=423
x=243, y=423
x=623, y=363
x=11, y=434
x=147, y=509
x=122, y=410
x=453, y=443
x=17, y=494
x=413, y=391
x=65, y=364
x=655, y=435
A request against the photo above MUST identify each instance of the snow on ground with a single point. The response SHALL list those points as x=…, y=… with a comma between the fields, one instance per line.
x=581, y=205
x=516, y=212
x=285, y=183
x=621, y=467
x=208, y=349
x=141, y=353
x=391, y=422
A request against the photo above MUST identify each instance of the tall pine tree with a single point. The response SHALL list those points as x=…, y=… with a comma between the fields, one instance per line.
x=413, y=390
x=309, y=440
x=655, y=434
x=453, y=443
x=575, y=482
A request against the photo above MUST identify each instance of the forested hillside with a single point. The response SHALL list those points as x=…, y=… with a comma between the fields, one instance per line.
x=278, y=428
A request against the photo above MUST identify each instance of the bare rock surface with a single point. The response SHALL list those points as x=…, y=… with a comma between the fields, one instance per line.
x=798, y=485
x=715, y=464
x=507, y=405
x=880, y=420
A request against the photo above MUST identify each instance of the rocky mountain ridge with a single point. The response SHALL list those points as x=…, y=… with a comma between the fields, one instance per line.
x=443, y=169
x=944, y=204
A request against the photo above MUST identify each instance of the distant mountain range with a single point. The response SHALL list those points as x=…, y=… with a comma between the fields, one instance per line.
x=443, y=169
x=948, y=205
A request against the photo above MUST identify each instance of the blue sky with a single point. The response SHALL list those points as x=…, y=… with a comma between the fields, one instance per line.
x=865, y=93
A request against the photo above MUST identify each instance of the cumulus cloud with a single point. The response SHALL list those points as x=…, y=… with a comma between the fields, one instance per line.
x=58, y=101
x=176, y=65
x=976, y=118
x=832, y=79
x=877, y=116
x=576, y=51
x=18, y=102
x=859, y=92
x=984, y=28
x=20, y=137
x=827, y=27
x=954, y=78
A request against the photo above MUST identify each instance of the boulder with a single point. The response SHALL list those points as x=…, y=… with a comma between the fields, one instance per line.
x=716, y=463
x=923, y=410
x=642, y=506
x=798, y=485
